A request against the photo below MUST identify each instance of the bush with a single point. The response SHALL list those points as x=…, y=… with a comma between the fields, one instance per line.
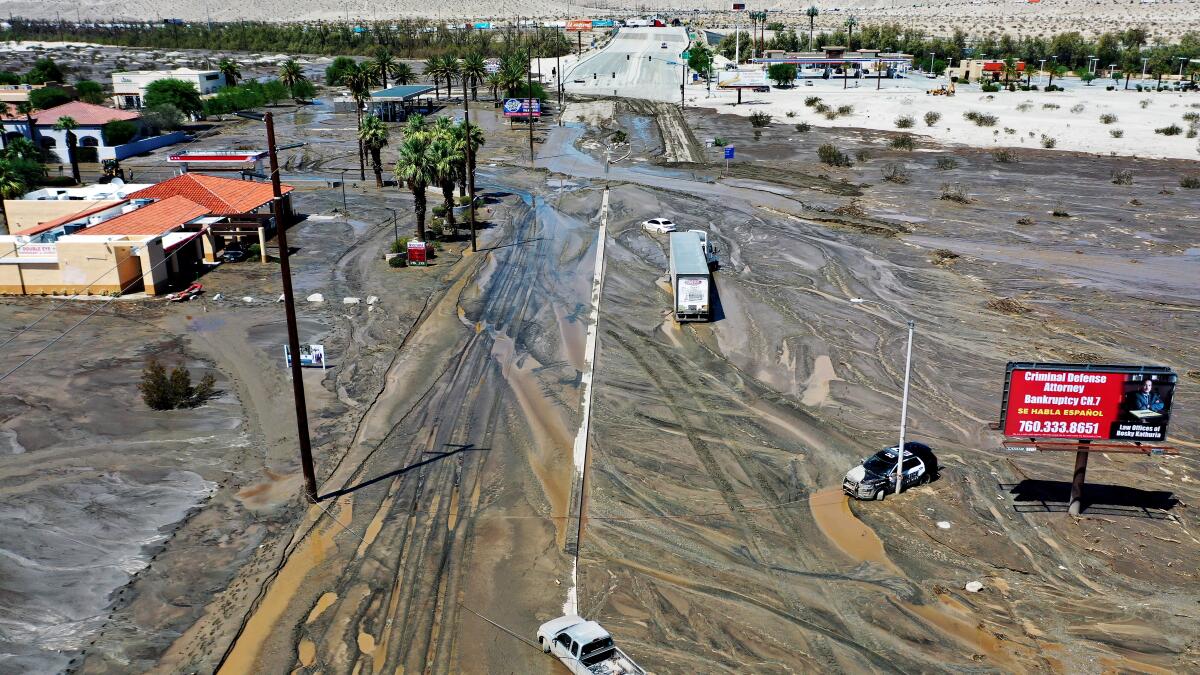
x=845, y=110
x=118, y=132
x=812, y=101
x=163, y=391
x=339, y=67
x=946, y=163
x=1077, y=108
x=1048, y=142
x=803, y=127
x=932, y=117
x=902, y=142
x=790, y=114
x=953, y=192
x=1122, y=177
x=162, y=117
x=1191, y=117
x=1108, y=118
x=1190, y=182
x=49, y=97
x=90, y=92
x=989, y=87
x=303, y=90
x=831, y=155
x=1060, y=212
x=1145, y=103
x=439, y=210
x=1172, y=130
x=400, y=245
x=254, y=252
x=760, y=119
x=905, y=122
x=1025, y=107
x=980, y=119
x=1116, y=133
x=396, y=261
x=782, y=73
x=1004, y=156
x=894, y=173
x=179, y=93
x=720, y=142
x=862, y=155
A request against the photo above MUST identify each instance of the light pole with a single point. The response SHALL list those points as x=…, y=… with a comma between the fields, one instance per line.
x=289, y=308
x=931, y=54
x=395, y=225
x=904, y=410
x=1144, y=62
x=471, y=160
x=1041, y=70
x=342, y=180
x=1182, y=61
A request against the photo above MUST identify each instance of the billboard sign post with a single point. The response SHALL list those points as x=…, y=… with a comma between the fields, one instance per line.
x=1085, y=403
x=522, y=107
x=311, y=356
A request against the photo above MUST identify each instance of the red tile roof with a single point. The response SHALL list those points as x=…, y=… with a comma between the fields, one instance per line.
x=153, y=219
x=85, y=114
x=222, y=196
x=70, y=217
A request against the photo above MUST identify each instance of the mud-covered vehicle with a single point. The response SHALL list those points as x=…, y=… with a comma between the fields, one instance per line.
x=876, y=475
x=585, y=648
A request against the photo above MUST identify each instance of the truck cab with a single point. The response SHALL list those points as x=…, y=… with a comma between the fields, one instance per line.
x=584, y=647
x=710, y=249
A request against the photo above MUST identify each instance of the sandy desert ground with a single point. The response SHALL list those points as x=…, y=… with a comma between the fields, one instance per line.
x=1162, y=18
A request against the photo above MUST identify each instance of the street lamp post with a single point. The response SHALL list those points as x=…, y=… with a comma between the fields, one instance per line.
x=395, y=225
x=289, y=308
x=1144, y=62
x=931, y=55
x=1182, y=61
x=1041, y=70
x=342, y=180
x=904, y=410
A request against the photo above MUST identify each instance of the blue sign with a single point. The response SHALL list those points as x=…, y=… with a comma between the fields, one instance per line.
x=602, y=23
x=729, y=152
x=483, y=25
x=522, y=107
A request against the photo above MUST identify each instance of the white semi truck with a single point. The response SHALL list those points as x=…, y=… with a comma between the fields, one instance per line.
x=585, y=648
x=691, y=281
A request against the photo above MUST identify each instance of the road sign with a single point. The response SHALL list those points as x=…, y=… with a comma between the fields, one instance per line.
x=729, y=152
x=685, y=55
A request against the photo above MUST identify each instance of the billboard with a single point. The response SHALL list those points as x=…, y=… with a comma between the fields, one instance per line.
x=310, y=356
x=579, y=25
x=1084, y=401
x=742, y=78
x=522, y=107
x=602, y=23
x=483, y=25
x=739, y=6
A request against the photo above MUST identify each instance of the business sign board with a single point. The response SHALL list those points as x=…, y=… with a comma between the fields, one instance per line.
x=602, y=23
x=312, y=356
x=492, y=66
x=579, y=25
x=742, y=78
x=729, y=152
x=739, y=6
x=522, y=107
x=37, y=250
x=1087, y=402
x=483, y=25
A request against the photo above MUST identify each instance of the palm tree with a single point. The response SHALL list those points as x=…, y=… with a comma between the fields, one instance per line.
x=414, y=125
x=446, y=158
x=12, y=185
x=1055, y=70
x=477, y=141
x=851, y=22
x=69, y=125
x=812, y=13
x=402, y=73
x=382, y=65
x=494, y=82
x=433, y=69
x=1010, y=70
x=415, y=170
x=26, y=109
x=291, y=74
x=373, y=134
x=475, y=69
x=359, y=80
x=450, y=70
x=230, y=70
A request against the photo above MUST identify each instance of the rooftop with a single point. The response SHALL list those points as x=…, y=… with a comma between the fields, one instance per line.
x=173, y=71
x=402, y=92
x=84, y=114
x=153, y=219
x=69, y=218
x=224, y=196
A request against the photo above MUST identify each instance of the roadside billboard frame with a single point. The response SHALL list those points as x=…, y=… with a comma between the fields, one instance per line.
x=522, y=107
x=579, y=25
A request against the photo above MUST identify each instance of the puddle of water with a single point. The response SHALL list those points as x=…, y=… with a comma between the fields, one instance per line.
x=816, y=389
x=307, y=651
x=831, y=509
x=323, y=603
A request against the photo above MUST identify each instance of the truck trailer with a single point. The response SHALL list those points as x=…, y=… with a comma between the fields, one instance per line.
x=691, y=281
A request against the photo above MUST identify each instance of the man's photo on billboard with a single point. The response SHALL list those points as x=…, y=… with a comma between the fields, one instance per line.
x=1146, y=400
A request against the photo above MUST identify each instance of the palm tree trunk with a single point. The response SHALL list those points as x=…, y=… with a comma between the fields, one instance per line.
x=72, y=156
x=377, y=166
x=448, y=200
x=419, y=207
x=362, y=152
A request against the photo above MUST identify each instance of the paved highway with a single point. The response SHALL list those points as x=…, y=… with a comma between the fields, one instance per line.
x=634, y=64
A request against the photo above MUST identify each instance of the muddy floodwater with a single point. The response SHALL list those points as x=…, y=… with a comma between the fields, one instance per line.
x=700, y=517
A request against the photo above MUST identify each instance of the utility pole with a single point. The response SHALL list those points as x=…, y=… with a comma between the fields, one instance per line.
x=529, y=102
x=682, y=82
x=289, y=308
x=904, y=410
x=558, y=82
x=470, y=165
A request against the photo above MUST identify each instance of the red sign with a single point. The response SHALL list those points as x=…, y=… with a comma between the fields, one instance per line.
x=1078, y=402
x=579, y=25
x=738, y=6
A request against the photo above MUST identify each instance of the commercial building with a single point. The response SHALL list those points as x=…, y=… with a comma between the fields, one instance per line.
x=153, y=240
x=19, y=93
x=90, y=140
x=129, y=87
x=835, y=60
x=983, y=70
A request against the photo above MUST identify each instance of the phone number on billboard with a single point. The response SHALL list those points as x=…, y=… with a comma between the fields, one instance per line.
x=1052, y=427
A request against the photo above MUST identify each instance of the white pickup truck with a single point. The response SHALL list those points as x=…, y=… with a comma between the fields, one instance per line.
x=585, y=648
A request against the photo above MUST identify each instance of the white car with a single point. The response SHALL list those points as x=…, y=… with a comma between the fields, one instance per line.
x=659, y=225
x=585, y=648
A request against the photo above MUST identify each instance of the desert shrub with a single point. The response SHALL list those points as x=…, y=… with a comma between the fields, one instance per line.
x=760, y=119
x=790, y=113
x=803, y=127
x=932, y=117
x=1025, y=107
x=167, y=391
x=1049, y=142
x=1172, y=130
x=1116, y=133
x=989, y=87
x=400, y=245
x=831, y=155
x=720, y=142
x=396, y=261
x=980, y=119
x=1060, y=212
x=1122, y=177
x=902, y=142
x=946, y=163
x=1191, y=132
x=119, y=132
x=894, y=173
x=862, y=155
x=1145, y=103
x=1004, y=156
x=845, y=110
x=1108, y=118
x=831, y=114
x=821, y=108
x=905, y=122
x=1050, y=106
x=1024, y=220
x=812, y=101
x=1077, y=108
x=1191, y=116
x=1190, y=181
x=954, y=192
x=439, y=210
x=1009, y=130
x=162, y=117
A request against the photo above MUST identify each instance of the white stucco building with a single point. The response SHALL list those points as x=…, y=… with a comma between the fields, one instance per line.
x=91, y=141
x=129, y=87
